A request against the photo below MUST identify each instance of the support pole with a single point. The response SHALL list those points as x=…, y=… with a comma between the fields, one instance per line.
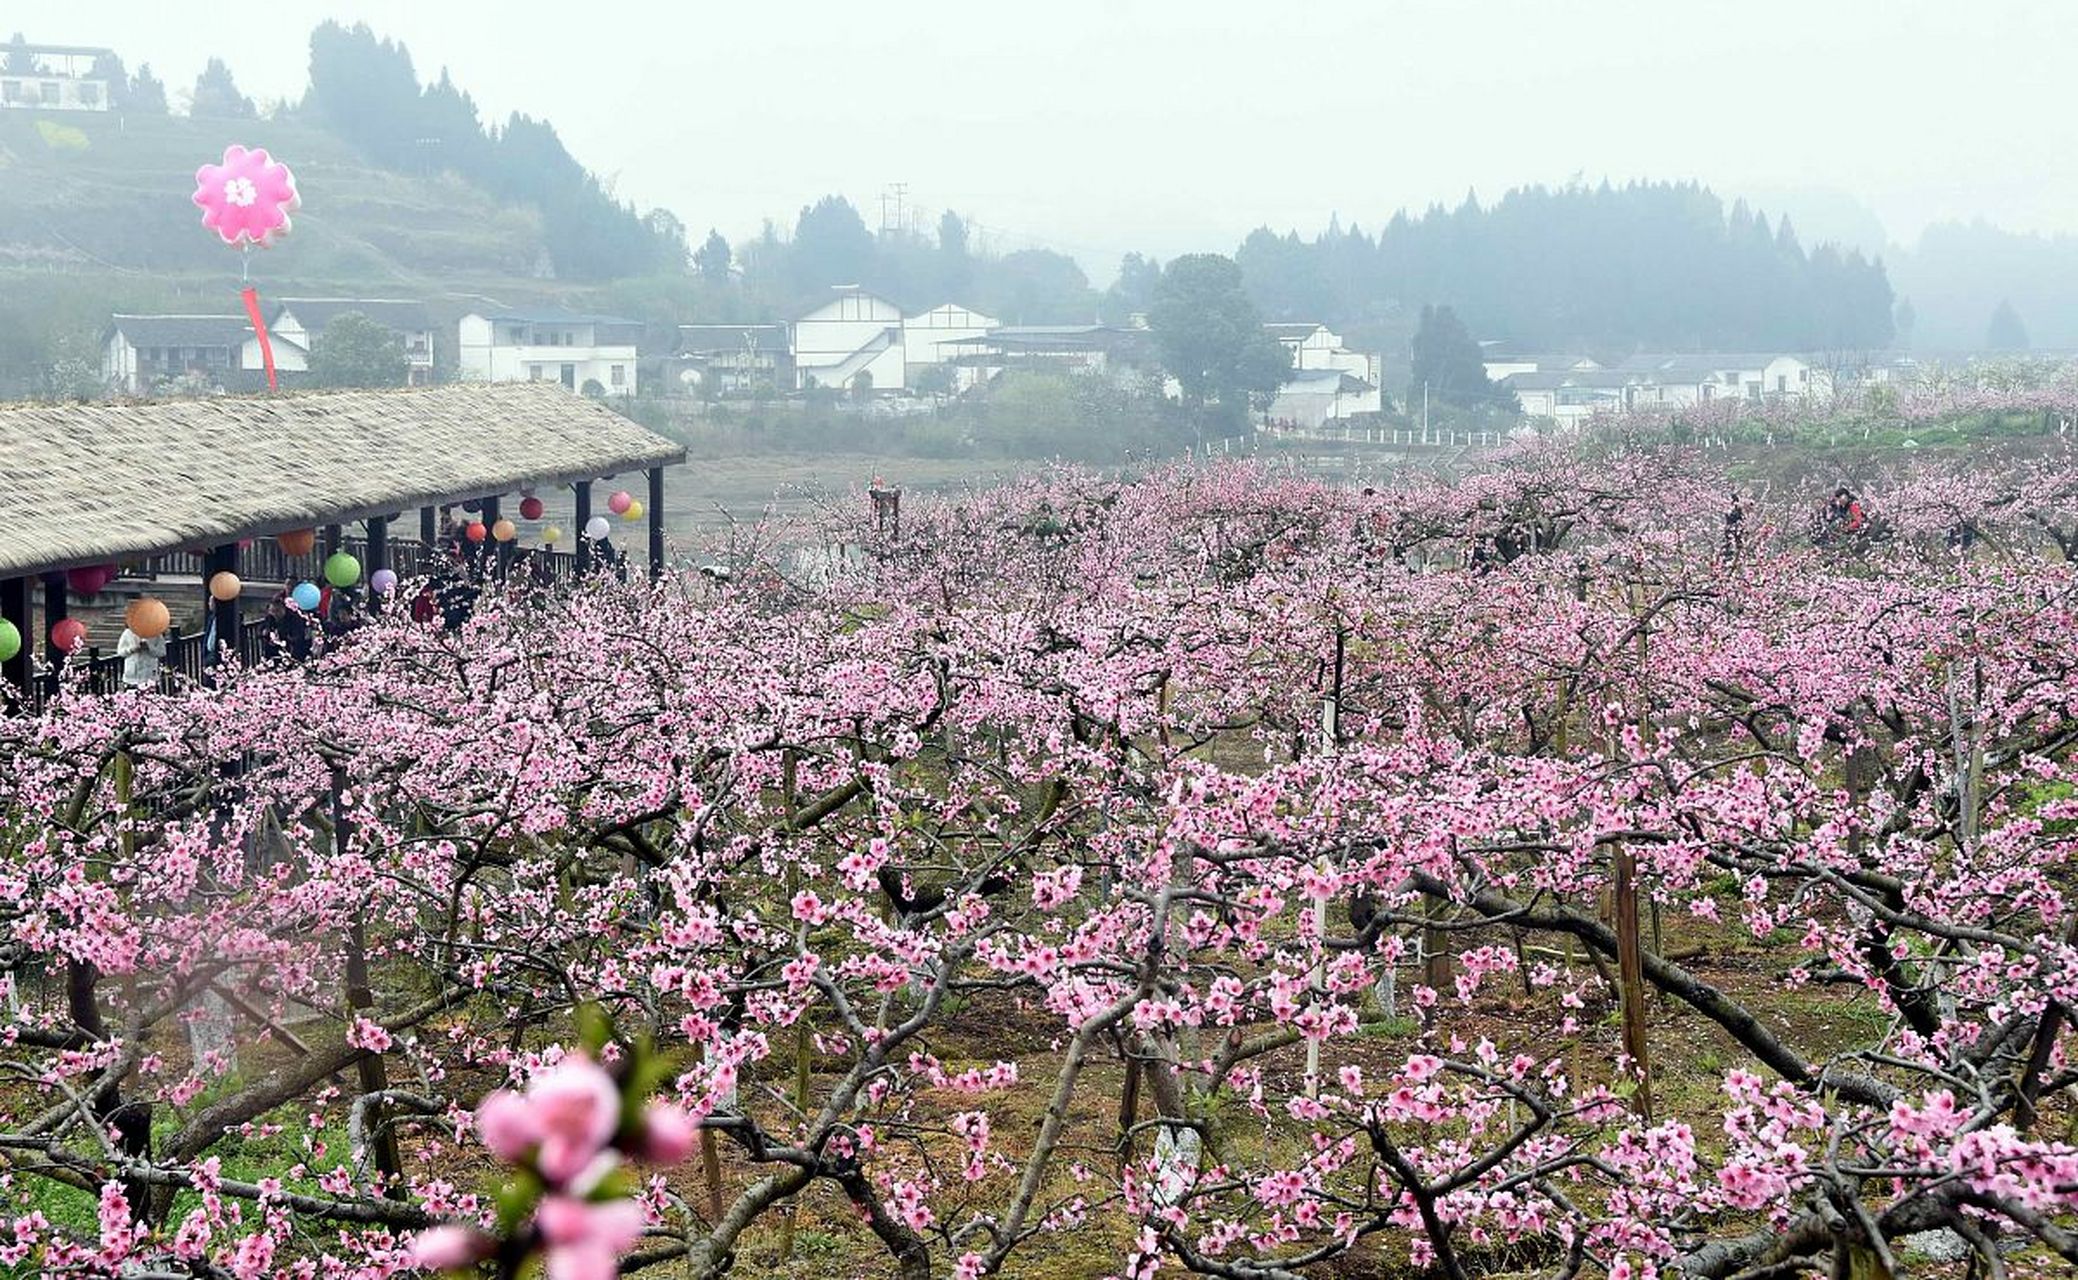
x=499, y=553
x=1630, y=976
x=428, y=528
x=378, y=544
x=334, y=535
x=14, y=606
x=224, y=613
x=655, y=511
x=584, y=517
x=55, y=610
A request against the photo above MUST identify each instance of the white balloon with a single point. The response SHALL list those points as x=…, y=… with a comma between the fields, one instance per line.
x=597, y=528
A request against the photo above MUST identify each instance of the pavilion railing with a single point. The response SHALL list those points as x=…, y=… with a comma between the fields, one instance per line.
x=264, y=564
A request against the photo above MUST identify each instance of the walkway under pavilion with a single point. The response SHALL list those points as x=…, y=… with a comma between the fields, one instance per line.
x=170, y=489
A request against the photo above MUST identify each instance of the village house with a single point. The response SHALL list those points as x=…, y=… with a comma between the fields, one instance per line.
x=1329, y=382
x=932, y=340
x=63, y=80
x=851, y=343
x=139, y=352
x=592, y=354
x=735, y=359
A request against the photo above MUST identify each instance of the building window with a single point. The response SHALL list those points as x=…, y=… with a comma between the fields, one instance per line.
x=10, y=90
x=89, y=94
x=49, y=91
x=1781, y=382
x=533, y=373
x=620, y=375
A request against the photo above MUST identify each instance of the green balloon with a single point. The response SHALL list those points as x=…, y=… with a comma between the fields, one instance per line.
x=342, y=570
x=10, y=640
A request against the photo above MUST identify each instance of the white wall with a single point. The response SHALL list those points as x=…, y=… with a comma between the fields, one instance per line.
x=497, y=352
x=53, y=93
x=290, y=356
x=849, y=334
x=922, y=336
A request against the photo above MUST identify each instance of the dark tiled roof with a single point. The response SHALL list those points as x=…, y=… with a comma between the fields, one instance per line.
x=400, y=314
x=182, y=331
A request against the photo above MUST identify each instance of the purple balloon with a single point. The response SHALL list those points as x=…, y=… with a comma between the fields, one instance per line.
x=383, y=580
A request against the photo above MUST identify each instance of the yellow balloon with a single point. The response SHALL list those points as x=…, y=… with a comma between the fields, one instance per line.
x=551, y=536
x=634, y=511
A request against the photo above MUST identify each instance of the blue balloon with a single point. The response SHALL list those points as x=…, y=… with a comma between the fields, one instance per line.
x=306, y=595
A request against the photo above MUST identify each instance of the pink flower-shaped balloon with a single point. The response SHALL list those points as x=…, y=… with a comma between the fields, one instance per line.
x=248, y=198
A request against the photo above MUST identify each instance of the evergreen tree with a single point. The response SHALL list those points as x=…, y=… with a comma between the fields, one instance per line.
x=831, y=247
x=1035, y=286
x=711, y=259
x=955, y=268
x=1133, y=292
x=108, y=68
x=217, y=96
x=19, y=61
x=1449, y=366
x=2005, y=332
x=147, y=94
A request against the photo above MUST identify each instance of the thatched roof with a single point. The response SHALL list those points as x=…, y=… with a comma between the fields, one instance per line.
x=91, y=483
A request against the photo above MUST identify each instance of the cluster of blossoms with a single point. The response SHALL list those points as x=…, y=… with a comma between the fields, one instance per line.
x=1204, y=870
x=568, y=1133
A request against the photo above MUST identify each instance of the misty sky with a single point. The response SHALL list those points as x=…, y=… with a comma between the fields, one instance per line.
x=1098, y=126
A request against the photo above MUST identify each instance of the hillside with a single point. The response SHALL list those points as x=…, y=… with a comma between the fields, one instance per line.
x=85, y=192
x=95, y=218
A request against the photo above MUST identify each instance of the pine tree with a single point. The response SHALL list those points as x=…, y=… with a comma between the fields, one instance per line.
x=2005, y=332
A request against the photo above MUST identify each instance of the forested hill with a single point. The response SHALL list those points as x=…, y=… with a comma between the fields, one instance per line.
x=1662, y=265
x=401, y=182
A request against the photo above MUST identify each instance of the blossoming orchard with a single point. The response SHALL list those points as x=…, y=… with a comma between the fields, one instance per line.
x=1213, y=872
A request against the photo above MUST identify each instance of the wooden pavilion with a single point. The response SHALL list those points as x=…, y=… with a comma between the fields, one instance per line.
x=171, y=488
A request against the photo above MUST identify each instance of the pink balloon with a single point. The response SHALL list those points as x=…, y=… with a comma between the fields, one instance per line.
x=248, y=198
x=619, y=503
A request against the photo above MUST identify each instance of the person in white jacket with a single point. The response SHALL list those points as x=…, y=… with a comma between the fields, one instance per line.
x=141, y=659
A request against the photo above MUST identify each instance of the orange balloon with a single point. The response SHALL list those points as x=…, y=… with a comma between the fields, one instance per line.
x=298, y=542
x=147, y=617
x=504, y=531
x=224, y=585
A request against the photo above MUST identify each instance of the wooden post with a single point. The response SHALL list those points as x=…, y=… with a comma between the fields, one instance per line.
x=334, y=535
x=1630, y=976
x=378, y=544
x=428, y=529
x=14, y=606
x=498, y=554
x=55, y=610
x=583, y=517
x=223, y=613
x=655, y=511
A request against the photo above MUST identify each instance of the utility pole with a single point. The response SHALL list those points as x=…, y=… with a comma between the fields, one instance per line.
x=901, y=191
x=1424, y=410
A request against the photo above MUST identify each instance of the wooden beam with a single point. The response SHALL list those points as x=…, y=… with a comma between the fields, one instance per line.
x=584, y=517
x=14, y=606
x=655, y=512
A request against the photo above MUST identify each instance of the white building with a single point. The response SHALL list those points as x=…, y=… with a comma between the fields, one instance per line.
x=137, y=352
x=1329, y=382
x=934, y=339
x=1314, y=348
x=299, y=323
x=1317, y=396
x=587, y=353
x=1568, y=389
x=63, y=79
x=1678, y=380
x=851, y=343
